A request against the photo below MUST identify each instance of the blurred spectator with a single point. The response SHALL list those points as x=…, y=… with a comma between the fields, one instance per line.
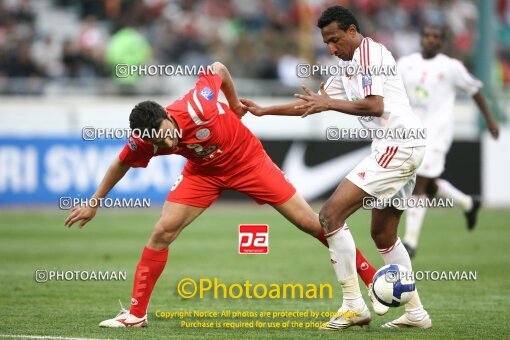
x=47, y=54
x=4, y=14
x=91, y=40
x=287, y=67
x=406, y=41
x=23, y=13
x=25, y=76
x=75, y=63
x=257, y=39
x=21, y=64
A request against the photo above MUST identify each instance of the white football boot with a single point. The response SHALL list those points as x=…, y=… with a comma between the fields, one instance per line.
x=378, y=307
x=406, y=322
x=346, y=318
x=124, y=319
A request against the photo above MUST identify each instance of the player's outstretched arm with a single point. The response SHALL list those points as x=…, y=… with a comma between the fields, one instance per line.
x=318, y=102
x=489, y=119
x=115, y=172
x=228, y=88
x=275, y=110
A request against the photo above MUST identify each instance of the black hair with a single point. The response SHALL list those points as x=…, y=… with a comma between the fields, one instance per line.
x=442, y=30
x=341, y=15
x=147, y=116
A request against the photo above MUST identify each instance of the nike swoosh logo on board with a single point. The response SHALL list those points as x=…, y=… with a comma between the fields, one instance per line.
x=313, y=181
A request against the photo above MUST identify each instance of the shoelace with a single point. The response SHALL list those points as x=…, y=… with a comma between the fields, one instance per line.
x=122, y=309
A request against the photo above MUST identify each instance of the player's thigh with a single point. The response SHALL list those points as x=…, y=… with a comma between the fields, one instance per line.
x=422, y=185
x=432, y=188
x=194, y=189
x=265, y=183
x=384, y=226
x=387, y=169
x=381, y=174
x=298, y=212
x=177, y=215
x=268, y=184
x=346, y=199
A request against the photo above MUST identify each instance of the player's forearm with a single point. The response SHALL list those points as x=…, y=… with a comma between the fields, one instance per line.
x=113, y=175
x=227, y=84
x=364, y=107
x=284, y=110
x=482, y=105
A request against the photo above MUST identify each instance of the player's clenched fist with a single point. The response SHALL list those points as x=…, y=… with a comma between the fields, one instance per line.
x=83, y=214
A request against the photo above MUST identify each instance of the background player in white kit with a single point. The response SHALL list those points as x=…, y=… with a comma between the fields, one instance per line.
x=431, y=79
x=389, y=171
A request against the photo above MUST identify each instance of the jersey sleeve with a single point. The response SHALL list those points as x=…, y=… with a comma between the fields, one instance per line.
x=135, y=154
x=205, y=95
x=463, y=80
x=335, y=88
x=370, y=58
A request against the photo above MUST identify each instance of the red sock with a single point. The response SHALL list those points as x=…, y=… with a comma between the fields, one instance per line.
x=323, y=239
x=365, y=270
x=147, y=273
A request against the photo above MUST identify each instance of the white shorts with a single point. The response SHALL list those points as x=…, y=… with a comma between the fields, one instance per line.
x=433, y=163
x=389, y=171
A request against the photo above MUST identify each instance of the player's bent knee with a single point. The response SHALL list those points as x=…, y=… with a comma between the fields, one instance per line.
x=162, y=238
x=377, y=236
x=383, y=238
x=327, y=219
x=165, y=232
x=330, y=218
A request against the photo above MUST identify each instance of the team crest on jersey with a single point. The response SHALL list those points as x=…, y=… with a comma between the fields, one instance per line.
x=203, y=133
x=366, y=80
x=132, y=144
x=207, y=93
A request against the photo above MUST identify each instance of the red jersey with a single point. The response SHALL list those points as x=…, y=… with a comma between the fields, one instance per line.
x=213, y=138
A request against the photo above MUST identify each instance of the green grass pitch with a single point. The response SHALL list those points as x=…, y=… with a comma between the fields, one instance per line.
x=31, y=240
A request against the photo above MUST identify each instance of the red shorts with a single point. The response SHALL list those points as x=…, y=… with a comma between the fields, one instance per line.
x=264, y=182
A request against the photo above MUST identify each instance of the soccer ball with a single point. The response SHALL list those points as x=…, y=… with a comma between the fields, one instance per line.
x=393, y=285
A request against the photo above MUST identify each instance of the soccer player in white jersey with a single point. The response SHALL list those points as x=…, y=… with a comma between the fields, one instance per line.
x=431, y=79
x=380, y=102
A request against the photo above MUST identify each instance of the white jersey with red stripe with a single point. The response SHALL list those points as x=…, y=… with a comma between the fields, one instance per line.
x=431, y=85
x=377, y=75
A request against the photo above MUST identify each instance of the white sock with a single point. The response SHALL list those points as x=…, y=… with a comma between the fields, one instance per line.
x=414, y=222
x=397, y=254
x=446, y=190
x=343, y=257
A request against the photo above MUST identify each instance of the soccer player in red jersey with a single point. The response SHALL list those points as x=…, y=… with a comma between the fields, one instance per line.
x=222, y=154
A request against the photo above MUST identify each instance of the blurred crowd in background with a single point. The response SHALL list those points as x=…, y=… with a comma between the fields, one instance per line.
x=49, y=40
